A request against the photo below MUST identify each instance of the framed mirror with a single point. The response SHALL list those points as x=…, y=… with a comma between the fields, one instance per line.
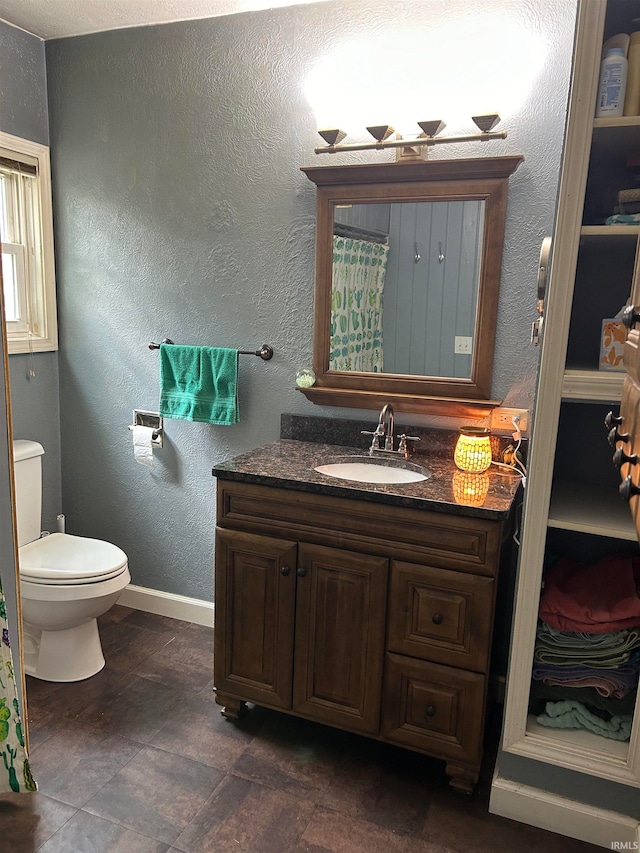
x=407, y=281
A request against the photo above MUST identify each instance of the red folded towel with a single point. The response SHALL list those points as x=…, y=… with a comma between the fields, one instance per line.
x=595, y=599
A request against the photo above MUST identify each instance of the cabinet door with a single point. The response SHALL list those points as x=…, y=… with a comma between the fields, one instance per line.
x=340, y=629
x=254, y=606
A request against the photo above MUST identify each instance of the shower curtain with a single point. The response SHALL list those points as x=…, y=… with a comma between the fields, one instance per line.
x=15, y=773
x=359, y=268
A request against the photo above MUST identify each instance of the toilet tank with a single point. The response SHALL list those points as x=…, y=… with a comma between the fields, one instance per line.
x=27, y=467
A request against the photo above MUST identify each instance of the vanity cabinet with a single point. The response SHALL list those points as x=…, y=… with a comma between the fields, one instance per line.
x=372, y=618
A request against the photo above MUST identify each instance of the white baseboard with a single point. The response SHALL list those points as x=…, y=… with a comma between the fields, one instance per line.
x=168, y=604
x=540, y=808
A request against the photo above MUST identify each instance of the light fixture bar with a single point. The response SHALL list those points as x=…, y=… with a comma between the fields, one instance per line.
x=418, y=142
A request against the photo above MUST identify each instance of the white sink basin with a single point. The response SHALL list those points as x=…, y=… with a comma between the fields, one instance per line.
x=370, y=472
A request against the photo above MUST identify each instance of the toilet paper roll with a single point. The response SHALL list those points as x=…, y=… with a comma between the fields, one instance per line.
x=142, y=447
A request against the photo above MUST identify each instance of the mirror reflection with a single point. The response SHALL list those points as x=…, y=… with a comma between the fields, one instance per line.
x=405, y=284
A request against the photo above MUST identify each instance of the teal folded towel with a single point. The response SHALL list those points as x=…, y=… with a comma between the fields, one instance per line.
x=199, y=384
x=568, y=714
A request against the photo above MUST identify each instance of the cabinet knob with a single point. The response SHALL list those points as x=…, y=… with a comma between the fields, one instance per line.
x=301, y=572
x=621, y=458
x=430, y=710
x=437, y=618
x=630, y=316
x=615, y=436
x=628, y=489
x=285, y=570
x=611, y=419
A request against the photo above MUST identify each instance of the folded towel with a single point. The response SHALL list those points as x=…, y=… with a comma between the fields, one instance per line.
x=574, y=715
x=199, y=384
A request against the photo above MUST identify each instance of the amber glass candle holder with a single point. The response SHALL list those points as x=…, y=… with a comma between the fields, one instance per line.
x=470, y=489
x=473, y=449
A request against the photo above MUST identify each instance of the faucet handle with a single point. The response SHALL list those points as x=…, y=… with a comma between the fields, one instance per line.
x=403, y=447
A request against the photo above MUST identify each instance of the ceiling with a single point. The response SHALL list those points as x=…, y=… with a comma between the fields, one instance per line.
x=59, y=18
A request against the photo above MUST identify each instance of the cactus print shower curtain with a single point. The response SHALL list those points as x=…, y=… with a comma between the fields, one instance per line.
x=15, y=774
x=359, y=268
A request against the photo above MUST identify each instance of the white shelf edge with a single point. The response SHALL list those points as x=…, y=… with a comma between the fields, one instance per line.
x=590, y=509
x=593, y=385
x=610, y=230
x=617, y=121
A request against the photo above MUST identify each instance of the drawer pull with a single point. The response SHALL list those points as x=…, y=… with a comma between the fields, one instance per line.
x=285, y=570
x=430, y=710
x=621, y=458
x=615, y=436
x=628, y=489
x=611, y=419
x=302, y=572
x=437, y=618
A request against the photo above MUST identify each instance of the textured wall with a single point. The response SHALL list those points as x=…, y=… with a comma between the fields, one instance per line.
x=181, y=211
x=34, y=402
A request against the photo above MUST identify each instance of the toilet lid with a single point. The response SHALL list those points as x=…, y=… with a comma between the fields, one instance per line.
x=64, y=559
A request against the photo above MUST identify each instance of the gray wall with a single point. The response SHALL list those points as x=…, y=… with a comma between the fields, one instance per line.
x=181, y=211
x=35, y=401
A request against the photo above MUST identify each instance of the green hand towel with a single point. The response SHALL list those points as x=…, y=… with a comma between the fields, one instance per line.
x=574, y=715
x=199, y=384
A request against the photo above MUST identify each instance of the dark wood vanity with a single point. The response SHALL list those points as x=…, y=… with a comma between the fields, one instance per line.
x=369, y=608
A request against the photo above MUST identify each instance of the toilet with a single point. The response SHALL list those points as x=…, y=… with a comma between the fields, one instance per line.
x=66, y=582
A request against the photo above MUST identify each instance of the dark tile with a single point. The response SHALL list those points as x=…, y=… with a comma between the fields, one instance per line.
x=136, y=710
x=336, y=833
x=292, y=755
x=200, y=636
x=196, y=729
x=468, y=827
x=154, y=622
x=156, y=794
x=72, y=699
x=28, y=820
x=39, y=692
x=243, y=816
x=114, y=614
x=87, y=833
x=42, y=725
x=125, y=646
x=383, y=785
x=183, y=664
x=75, y=762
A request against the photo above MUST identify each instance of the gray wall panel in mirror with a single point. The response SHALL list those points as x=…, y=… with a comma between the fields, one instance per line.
x=408, y=261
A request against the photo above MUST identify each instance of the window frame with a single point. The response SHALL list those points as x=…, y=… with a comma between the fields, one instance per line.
x=43, y=336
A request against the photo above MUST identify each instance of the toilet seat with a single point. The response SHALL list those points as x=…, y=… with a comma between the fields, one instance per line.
x=62, y=559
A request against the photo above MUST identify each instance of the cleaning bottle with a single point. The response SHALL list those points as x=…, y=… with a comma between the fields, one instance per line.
x=613, y=84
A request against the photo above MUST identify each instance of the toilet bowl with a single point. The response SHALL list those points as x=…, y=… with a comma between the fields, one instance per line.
x=66, y=583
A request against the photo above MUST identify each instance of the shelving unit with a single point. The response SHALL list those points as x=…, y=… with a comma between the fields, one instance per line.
x=572, y=498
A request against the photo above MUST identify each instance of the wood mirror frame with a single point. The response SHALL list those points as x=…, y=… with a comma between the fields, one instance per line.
x=439, y=180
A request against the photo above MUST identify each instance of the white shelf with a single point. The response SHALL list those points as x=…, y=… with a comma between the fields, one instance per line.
x=590, y=509
x=598, y=386
x=614, y=137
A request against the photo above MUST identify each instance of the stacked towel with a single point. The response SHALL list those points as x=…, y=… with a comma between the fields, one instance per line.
x=574, y=715
x=199, y=384
x=587, y=652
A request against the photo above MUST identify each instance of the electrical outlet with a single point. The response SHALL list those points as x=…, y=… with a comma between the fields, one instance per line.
x=463, y=345
x=502, y=420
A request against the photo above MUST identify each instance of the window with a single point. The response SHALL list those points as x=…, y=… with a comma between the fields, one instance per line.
x=26, y=241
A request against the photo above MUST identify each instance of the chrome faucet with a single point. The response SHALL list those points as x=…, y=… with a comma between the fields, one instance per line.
x=387, y=423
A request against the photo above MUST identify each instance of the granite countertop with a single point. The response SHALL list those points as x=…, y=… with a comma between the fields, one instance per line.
x=289, y=464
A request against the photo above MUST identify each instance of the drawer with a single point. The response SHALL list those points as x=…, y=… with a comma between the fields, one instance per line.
x=440, y=615
x=451, y=541
x=433, y=708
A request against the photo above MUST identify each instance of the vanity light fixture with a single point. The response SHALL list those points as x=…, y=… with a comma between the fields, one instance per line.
x=473, y=449
x=415, y=146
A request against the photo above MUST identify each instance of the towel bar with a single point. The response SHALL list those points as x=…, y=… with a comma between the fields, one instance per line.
x=265, y=352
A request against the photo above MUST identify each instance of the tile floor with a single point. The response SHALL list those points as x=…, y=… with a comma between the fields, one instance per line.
x=138, y=759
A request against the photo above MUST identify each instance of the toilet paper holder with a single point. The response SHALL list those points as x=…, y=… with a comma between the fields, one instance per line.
x=152, y=420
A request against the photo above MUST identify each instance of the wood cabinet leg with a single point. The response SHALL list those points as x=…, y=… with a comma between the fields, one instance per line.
x=234, y=709
x=462, y=778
